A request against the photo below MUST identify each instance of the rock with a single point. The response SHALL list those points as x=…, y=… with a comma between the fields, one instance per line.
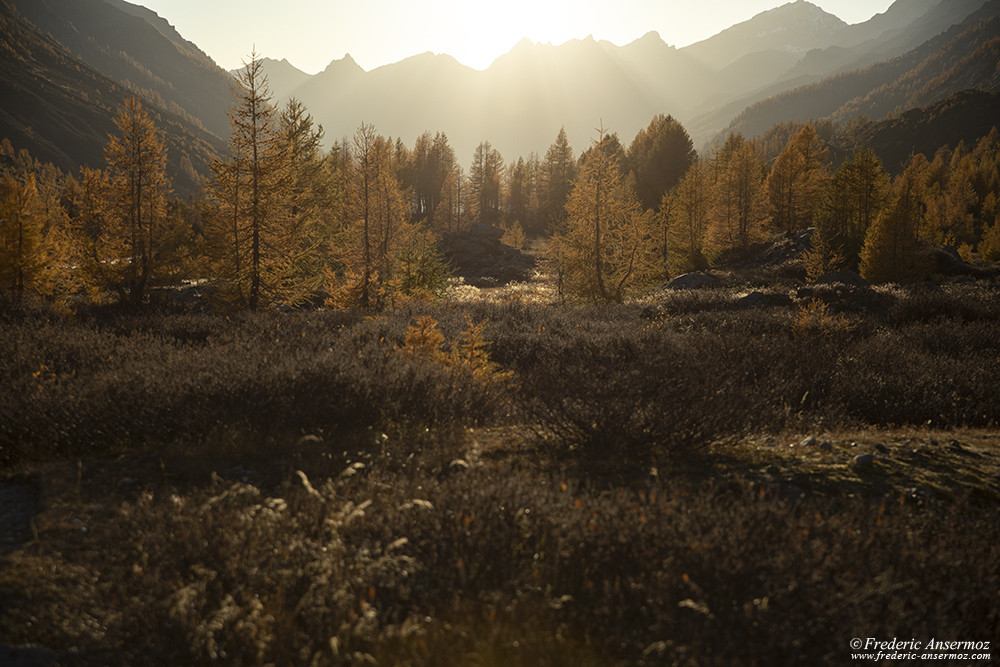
x=763, y=300
x=479, y=257
x=28, y=656
x=808, y=442
x=827, y=446
x=842, y=277
x=948, y=262
x=882, y=448
x=864, y=461
x=486, y=231
x=692, y=281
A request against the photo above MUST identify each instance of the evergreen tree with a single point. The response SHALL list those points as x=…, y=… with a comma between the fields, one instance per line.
x=484, y=189
x=558, y=171
x=659, y=156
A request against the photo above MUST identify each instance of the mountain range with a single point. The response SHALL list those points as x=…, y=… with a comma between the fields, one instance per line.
x=66, y=64
x=520, y=102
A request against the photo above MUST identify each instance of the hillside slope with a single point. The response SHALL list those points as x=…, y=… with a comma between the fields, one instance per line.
x=62, y=110
x=139, y=50
x=963, y=57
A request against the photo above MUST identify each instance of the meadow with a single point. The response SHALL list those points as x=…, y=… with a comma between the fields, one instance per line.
x=697, y=478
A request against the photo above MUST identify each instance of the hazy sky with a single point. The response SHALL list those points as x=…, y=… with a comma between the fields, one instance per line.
x=311, y=33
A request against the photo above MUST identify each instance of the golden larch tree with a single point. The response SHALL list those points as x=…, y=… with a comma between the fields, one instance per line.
x=606, y=253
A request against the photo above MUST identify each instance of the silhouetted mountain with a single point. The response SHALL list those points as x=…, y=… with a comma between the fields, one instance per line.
x=520, y=102
x=796, y=28
x=963, y=57
x=903, y=27
x=62, y=110
x=138, y=49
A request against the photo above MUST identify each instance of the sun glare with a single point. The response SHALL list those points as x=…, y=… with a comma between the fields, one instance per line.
x=489, y=30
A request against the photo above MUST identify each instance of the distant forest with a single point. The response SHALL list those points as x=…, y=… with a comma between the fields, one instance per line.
x=281, y=222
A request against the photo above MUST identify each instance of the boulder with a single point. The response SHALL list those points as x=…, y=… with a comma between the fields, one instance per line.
x=692, y=281
x=486, y=231
x=864, y=461
x=763, y=300
x=842, y=277
x=479, y=257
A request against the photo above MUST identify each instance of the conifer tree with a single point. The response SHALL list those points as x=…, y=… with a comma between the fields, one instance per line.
x=796, y=180
x=659, y=156
x=557, y=173
x=851, y=201
x=448, y=212
x=381, y=256
x=431, y=161
x=521, y=199
x=312, y=198
x=26, y=250
x=893, y=250
x=738, y=204
x=135, y=219
x=688, y=224
x=605, y=254
x=484, y=189
x=36, y=250
x=256, y=253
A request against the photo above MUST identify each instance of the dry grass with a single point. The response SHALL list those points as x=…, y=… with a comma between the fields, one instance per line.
x=307, y=488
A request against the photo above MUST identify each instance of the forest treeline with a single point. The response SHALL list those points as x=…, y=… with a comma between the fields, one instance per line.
x=283, y=222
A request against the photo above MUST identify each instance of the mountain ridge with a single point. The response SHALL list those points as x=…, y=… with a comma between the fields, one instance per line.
x=522, y=100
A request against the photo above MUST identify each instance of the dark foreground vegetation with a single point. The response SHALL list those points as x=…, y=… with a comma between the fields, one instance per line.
x=505, y=483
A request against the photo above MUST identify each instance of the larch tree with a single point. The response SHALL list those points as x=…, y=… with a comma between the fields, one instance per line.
x=32, y=240
x=521, y=200
x=138, y=188
x=312, y=197
x=448, y=212
x=255, y=250
x=484, y=187
x=738, y=203
x=605, y=254
x=851, y=201
x=688, y=222
x=381, y=256
x=893, y=250
x=36, y=247
x=431, y=161
x=796, y=180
